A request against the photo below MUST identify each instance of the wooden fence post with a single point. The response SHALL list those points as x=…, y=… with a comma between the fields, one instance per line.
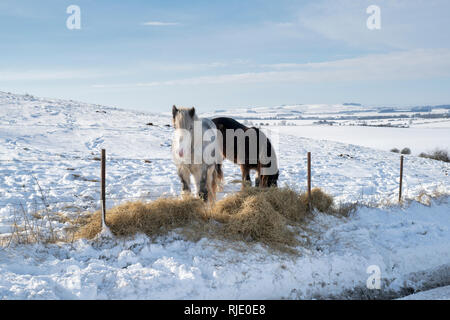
x=309, y=182
x=401, y=180
x=103, y=183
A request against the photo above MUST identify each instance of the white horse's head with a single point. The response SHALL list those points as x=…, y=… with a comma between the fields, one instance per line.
x=184, y=118
x=183, y=123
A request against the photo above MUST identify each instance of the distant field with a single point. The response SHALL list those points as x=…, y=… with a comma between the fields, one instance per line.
x=418, y=139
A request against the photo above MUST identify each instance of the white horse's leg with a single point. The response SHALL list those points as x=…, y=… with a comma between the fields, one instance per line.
x=257, y=179
x=204, y=194
x=196, y=171
x=185, y=176
x=200, y=175
x=211, y=183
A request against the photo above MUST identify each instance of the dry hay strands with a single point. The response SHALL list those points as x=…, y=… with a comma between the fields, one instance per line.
x=154, y=218
x=320, y=200
x=250, y=215
x=285, y=201
x=257, y=220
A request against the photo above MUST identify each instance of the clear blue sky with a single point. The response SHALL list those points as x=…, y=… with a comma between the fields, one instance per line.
x=149, y=55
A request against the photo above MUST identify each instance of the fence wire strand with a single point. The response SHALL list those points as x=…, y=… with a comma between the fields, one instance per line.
x=95, y=185
x=89, y=186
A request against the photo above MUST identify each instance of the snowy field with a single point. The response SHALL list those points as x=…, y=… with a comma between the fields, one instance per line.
x=424, y=138
x=49, y=153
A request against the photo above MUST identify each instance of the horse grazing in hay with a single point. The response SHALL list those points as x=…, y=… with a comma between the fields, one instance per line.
x=196, y=152
x=257, y=154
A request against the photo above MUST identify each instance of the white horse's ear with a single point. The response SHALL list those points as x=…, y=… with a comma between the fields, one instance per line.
x=174, y=111
x=192, y=112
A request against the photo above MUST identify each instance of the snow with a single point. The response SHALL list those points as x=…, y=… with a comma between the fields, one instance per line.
x=399, y=241
x=418, y=138
x=442, y=293
x=51, y=145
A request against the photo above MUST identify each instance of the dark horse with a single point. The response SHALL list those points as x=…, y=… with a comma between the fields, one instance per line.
x=263, y=161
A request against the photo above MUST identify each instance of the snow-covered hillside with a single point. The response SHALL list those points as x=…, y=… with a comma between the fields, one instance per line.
x=49, y=149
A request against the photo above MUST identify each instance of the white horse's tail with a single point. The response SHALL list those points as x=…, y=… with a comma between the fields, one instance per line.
x=216, y=180
x=219, y=176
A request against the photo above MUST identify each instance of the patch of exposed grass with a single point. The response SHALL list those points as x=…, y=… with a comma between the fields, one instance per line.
x=438, y=154
x=406, y=151
x=427, y=197
x=31, y=228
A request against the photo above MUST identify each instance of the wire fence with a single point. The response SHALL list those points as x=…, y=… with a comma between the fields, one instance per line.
x=42, y=194
x=45, y=196
x=75, y=158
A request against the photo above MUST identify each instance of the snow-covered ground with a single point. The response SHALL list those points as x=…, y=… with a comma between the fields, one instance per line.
x=441, y=293
x=50, y=147
x=410, y=247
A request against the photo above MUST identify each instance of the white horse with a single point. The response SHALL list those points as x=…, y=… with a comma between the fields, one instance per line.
x=196, y=151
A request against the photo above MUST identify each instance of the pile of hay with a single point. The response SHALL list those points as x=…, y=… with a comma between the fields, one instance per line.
x=154, y=218
x=251, y=215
